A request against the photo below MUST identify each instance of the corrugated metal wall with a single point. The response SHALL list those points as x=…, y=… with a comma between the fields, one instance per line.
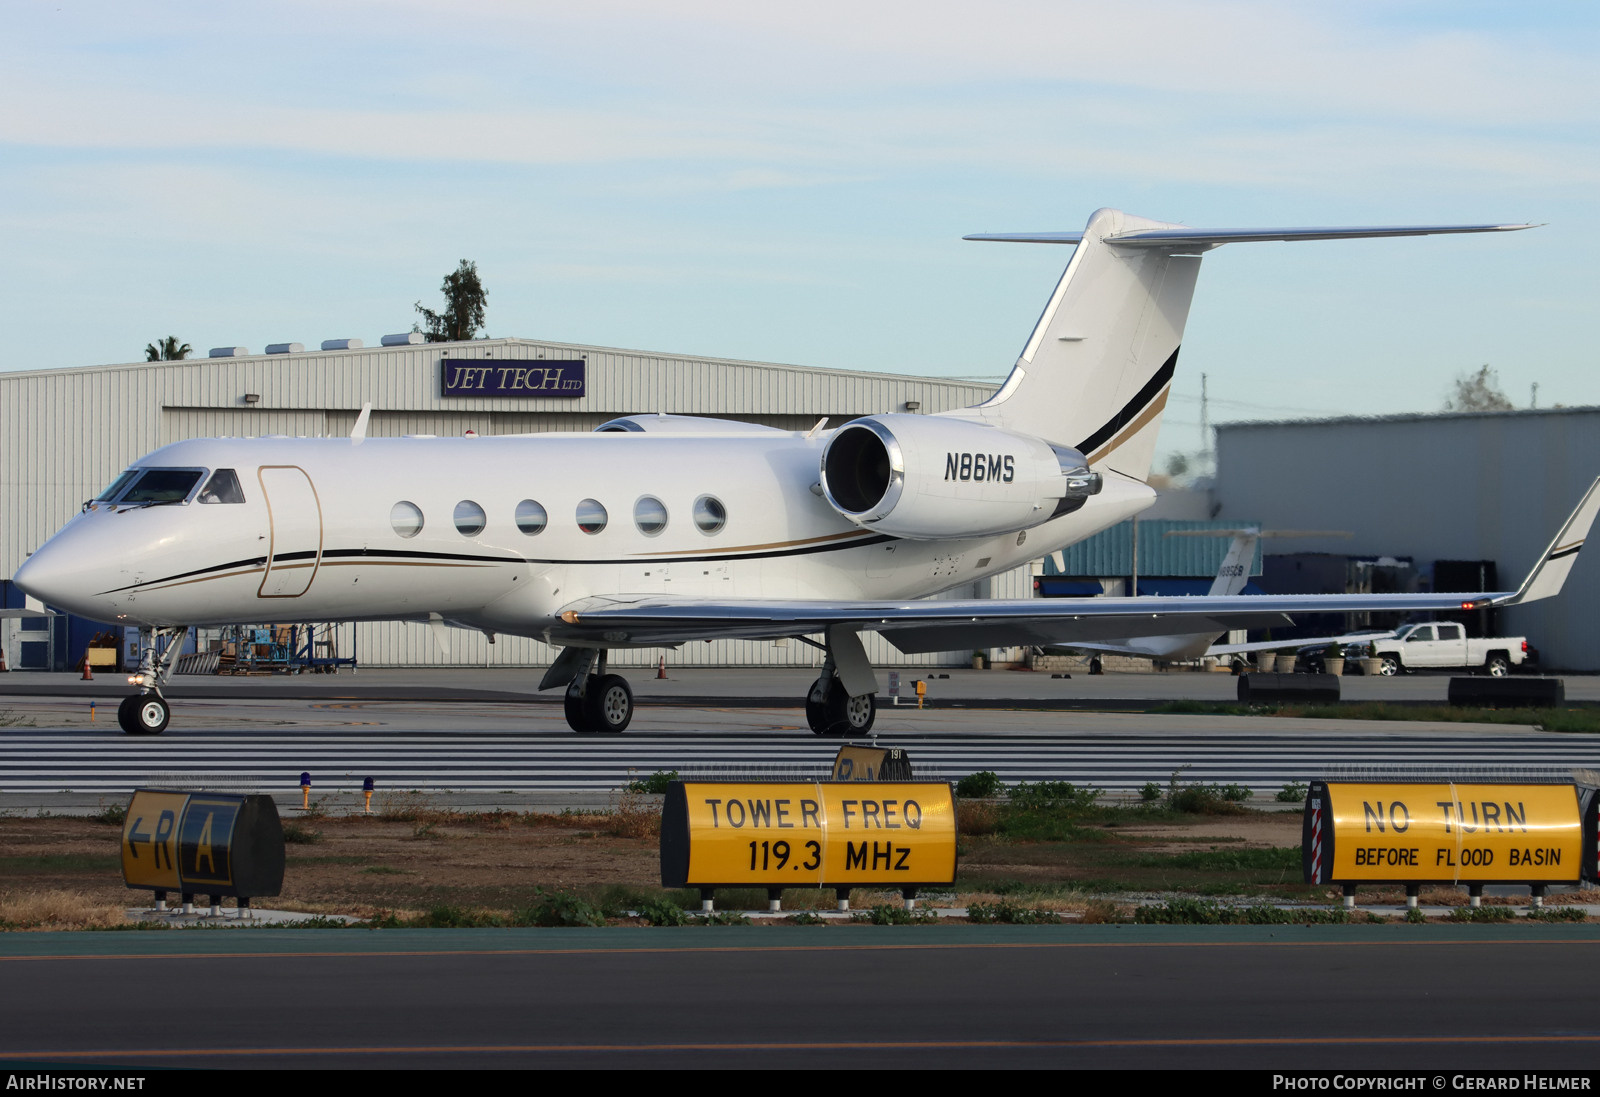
x=1488, y=486
x=1110, y=552
x=65, y=434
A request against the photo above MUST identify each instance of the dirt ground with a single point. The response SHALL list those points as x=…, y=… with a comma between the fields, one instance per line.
x=415, y=858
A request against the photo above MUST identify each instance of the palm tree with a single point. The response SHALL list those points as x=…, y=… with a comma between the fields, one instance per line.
x=168, y=350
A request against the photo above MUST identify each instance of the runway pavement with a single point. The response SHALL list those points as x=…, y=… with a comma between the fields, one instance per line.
x=446, y=732
x=1441, y=999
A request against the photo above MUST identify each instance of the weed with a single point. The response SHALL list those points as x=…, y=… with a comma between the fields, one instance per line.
x=1053, y=796
x=113, y=815
x=1480, y=914
x=635, y=817
x=980, y=786
x=885, y=915
x=454, y=917
x=977, y=817
x=986, y=913
x=807, y=918
x=561, y=909
x=298, y=834
x=1558, y=914
x=1205, y=912
x=423, y=831
x=722, y=918
x=1292, y=793
x=1415, y=917
x=1150, y=793
x=9, y=719
x=654, y=784
x=662, y=912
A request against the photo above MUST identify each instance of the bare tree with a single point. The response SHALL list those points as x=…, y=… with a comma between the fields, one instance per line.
x=1478, y=392
x=464, y=298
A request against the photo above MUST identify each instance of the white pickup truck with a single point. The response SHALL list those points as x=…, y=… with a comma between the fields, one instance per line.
x=1446, y=644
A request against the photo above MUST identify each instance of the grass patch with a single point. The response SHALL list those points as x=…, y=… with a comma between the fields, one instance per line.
x=61, y=862
x=1204, y=912
x=59, y=910
x=1581, y=719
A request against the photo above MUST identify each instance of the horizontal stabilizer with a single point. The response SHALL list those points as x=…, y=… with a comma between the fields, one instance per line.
x=1175, y=238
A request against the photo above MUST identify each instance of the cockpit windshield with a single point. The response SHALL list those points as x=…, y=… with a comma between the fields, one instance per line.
x=161, y=486
x=117, y=485
x=223, y=487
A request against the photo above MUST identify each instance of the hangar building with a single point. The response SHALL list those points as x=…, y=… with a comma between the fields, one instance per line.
x=66, y=433
x=1484, y=488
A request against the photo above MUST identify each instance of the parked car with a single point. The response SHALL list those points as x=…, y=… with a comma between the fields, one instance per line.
x=1445, y=644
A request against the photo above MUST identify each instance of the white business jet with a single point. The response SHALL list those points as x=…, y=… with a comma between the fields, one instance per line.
x=659, y=530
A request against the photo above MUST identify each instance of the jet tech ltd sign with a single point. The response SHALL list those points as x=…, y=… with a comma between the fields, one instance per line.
x=491, y=377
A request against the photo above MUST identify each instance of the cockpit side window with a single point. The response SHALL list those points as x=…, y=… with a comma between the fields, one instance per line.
x=223, y=487
x=117, y=485
x=162, y=486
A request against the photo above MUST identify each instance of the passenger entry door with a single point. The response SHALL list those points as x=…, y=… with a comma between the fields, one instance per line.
x=294, y=517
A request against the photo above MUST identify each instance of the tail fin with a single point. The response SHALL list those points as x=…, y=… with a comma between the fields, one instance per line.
x=1097, y=369
x=1550, y=572
x=1235, y=570
x=1095, y=373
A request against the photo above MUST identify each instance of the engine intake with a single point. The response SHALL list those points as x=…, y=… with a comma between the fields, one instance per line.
x=927, y=478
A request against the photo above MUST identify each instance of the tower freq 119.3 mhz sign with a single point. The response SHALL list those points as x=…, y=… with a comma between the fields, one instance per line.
x=492, y=377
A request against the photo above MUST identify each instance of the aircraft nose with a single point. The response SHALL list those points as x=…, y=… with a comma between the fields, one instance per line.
x=59, y=576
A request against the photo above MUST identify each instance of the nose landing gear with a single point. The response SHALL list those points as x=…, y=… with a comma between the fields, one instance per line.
x=147, y=712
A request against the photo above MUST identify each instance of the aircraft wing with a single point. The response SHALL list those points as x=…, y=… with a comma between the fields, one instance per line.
x=1300, y=642
x=923, y=626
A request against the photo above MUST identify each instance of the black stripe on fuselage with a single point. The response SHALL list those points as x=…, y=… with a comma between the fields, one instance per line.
x=1130, y=411
x=468, y=558
x=1559, y=553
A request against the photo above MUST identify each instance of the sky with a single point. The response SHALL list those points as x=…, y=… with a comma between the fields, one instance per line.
x=790, y=183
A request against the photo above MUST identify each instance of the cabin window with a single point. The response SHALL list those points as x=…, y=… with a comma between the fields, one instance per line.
x=163, y=486
x=650, y=515
x=709, y=514
x=406, y=518
x=591, y=516
x=470, y=518
x=116, y=487
x=223, y=487
x=531, y=517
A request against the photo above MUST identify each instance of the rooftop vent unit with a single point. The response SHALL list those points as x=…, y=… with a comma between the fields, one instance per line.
x=404, y=339
x=285, y=348
x=341, y=344
x=228, y=352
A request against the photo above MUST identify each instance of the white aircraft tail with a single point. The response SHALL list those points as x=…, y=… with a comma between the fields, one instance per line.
x=1235, y=570
x=1097, y=369
x=1550, y=573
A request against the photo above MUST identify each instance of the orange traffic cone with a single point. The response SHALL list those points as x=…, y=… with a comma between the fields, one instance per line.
x=3, y=667
x=661, y=669
x=88, y=675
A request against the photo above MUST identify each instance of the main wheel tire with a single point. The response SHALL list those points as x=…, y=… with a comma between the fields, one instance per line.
x=144, y=714
x=573, y=706
x=1497, y=666
x=816, y=714
x=609, y=704
x=1391, y=666
x=843, y=714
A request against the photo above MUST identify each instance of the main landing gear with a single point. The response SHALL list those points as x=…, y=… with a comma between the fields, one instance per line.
x=843, y=701
x=597, y=701
x=147, y=712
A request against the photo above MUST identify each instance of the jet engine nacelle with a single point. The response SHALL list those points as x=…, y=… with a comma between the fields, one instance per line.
x=927, y=478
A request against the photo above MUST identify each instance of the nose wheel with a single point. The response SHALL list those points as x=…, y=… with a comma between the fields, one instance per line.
x=144, y=714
